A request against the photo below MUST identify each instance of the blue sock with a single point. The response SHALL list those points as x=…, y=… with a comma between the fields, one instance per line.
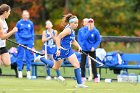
x=58, y=73
x=47, y=62
x=48, y=71
x=77, y=72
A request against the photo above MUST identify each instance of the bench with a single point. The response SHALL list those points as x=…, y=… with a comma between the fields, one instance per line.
x=132, y=61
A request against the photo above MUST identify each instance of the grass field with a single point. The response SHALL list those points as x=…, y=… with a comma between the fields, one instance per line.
x=10, y=84
x=40, y=85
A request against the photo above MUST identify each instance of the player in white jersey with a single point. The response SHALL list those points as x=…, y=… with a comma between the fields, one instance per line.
x=4, y=13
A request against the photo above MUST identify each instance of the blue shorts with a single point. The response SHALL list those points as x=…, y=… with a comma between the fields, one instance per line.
x=50, y=50
x=64, y=53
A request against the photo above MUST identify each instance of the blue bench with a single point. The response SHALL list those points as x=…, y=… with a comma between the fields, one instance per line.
x=127, y=58
x=132, y=61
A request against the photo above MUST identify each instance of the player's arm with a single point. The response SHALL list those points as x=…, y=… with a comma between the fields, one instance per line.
x=6, y=35
x=55, y=35
x=44, y=38
x=75, y=43
x=64, y=33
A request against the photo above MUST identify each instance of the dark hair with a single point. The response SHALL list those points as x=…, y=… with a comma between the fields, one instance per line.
x=67, y=17
x=3, y=8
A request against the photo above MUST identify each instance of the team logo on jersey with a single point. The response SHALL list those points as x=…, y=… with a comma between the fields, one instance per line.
x=92, y=35
x=72, y=37
x=29, y=25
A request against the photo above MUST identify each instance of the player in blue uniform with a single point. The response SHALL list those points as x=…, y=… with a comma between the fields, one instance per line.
x=49, y=47
x=25, y=36
x=64, y=49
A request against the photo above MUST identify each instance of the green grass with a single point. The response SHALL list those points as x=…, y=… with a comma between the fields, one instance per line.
x=40, y=85
x=10, y=84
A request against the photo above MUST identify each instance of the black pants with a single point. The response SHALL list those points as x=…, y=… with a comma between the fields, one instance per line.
x=93, y=64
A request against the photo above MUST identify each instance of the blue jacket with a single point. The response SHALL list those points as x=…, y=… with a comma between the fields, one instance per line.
x=25, y=33
x=80, y=36
x=91, y=39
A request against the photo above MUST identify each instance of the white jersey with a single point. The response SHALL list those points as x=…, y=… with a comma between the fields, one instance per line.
x=5, y=29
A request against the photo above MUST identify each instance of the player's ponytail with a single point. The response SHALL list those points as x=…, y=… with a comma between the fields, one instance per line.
x=66, y=18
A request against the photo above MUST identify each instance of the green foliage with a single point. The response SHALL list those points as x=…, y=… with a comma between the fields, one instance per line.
x=112, y=17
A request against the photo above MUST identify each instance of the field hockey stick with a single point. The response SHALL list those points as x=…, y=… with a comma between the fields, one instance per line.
x=100, y=63
x=34, y=51
x=90, y=70
x=46, y=56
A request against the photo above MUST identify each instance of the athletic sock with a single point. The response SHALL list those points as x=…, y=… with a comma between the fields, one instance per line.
x=77, y=72
x=48, y=71
x=49, y=63
x=58, y=73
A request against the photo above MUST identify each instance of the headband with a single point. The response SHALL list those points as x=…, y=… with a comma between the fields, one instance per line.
x=73, y=19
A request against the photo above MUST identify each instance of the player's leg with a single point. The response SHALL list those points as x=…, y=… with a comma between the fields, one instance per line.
x=83, y=68
x=94, y=68
x=20, y=55
x=48, y=73
x=57, y=71
x=74, y=61
x=5, y=57
x=29, y=57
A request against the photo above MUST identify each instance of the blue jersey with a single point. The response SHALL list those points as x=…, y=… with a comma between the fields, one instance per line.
x=50, y=45
x=92, y=39
x=25, y=33
x=67, y=40
x=50, y=42
x=66, y=49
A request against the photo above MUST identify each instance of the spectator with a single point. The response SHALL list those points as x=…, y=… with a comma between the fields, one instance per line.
x=91, y=42
x=50, y=47
x=25, y=36
x=80, y=38
x=81, y=32
x=4, y=14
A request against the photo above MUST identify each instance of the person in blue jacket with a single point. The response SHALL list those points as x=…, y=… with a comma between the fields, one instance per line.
x=81, y=32
x=91, y=42
x=80, y=38
x=64, y=49
x=25, y=36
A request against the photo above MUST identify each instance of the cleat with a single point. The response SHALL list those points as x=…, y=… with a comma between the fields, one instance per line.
x=83, y=80
x=61, y=78
x=81, y=86
x=20, y=74
x=37, y=59
x=96, y=80
x=48, y=78
x=28, y=74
